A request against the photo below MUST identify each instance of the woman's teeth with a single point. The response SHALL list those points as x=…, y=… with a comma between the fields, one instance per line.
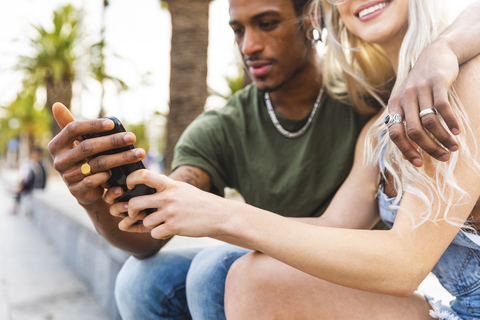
x=372, y=9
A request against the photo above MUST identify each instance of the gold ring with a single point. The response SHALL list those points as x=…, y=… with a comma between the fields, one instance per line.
x=86, y=169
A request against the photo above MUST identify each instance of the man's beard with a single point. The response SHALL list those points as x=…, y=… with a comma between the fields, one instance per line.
x=271, y=89
x=280, y=85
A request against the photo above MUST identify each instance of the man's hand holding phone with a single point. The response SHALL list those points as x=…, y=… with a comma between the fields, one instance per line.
x=70, y=151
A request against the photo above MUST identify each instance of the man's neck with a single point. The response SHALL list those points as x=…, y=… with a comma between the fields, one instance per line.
x=296, y=98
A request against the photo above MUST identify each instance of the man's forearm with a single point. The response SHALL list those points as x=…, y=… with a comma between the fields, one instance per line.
x=462, y=36
x=192, y=175
x=140, y=245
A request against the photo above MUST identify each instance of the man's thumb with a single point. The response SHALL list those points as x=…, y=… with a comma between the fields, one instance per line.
x=62, y=114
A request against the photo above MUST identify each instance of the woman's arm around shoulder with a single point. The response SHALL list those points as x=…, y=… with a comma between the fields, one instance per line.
x=467, y=94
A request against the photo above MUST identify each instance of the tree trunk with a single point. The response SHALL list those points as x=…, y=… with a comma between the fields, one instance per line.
x=188, y=69
x=101, y=113
x=58, y=92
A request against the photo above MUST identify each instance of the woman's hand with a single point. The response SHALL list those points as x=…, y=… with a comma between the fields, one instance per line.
x=426, y=87
x=120, y=210
x=181, y=208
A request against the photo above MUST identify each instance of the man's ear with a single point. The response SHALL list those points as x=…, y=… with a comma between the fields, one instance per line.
x=312, y=23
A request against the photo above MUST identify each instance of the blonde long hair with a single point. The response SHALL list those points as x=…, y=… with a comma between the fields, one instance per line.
x=359, y=71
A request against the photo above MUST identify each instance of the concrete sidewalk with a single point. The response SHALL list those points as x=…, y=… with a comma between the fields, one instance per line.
x=35, y=281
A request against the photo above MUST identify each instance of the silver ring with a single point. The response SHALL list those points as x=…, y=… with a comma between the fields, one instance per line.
x=392, y=119
x=427, y=111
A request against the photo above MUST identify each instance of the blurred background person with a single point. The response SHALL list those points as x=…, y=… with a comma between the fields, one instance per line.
x=34, y=176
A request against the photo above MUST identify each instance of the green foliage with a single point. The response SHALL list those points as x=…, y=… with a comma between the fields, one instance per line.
x=162, y=142
x=24, y=115
x=234, y=83
x=140, y=132
x=52, y=50
x=97, y=67
x=51, y=59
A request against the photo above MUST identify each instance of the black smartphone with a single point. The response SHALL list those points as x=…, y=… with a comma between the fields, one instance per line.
x=119, y=174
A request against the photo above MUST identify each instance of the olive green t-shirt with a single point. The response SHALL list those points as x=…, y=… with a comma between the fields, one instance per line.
x=239, y=147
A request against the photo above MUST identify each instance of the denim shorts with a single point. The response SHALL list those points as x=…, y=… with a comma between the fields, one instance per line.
x=441, y=310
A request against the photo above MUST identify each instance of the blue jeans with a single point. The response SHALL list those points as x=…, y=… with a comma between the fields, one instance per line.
x=176, y=285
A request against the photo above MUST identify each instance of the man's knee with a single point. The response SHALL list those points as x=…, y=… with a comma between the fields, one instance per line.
x=210, y=266
x=129, y=280
x=153, y=286
x=206, y=280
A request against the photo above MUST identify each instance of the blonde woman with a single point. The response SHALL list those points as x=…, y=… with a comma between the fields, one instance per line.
x=355, y=274
x=437, y=200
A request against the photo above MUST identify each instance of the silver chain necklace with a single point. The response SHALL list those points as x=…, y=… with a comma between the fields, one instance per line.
x=279, y=127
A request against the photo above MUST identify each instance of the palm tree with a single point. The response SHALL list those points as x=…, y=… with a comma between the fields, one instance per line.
x=52, y=62
x=188, y=67
x=97, y=65
x=97, y=70
x=24, y=118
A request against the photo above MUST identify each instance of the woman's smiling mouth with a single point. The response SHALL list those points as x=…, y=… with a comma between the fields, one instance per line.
x=366, y=10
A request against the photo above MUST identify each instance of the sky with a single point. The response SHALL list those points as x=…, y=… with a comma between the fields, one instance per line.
x=137, y=31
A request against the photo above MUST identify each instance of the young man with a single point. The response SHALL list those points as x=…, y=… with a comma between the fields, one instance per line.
x=290, y=160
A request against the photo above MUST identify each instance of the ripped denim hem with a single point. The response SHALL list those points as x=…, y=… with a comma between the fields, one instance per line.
x=441, y=311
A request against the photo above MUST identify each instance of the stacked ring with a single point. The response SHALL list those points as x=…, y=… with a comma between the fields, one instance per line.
x=392, y=119
x=86, y=169
x=427, y=111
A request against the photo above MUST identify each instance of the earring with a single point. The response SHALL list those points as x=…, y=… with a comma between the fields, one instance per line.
x=313, y=35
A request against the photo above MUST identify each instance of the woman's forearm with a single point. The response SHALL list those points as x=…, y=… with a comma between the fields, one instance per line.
x=375, y=261
x=462, y=35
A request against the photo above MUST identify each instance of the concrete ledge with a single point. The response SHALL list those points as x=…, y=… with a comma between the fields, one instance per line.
x=91, y=256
